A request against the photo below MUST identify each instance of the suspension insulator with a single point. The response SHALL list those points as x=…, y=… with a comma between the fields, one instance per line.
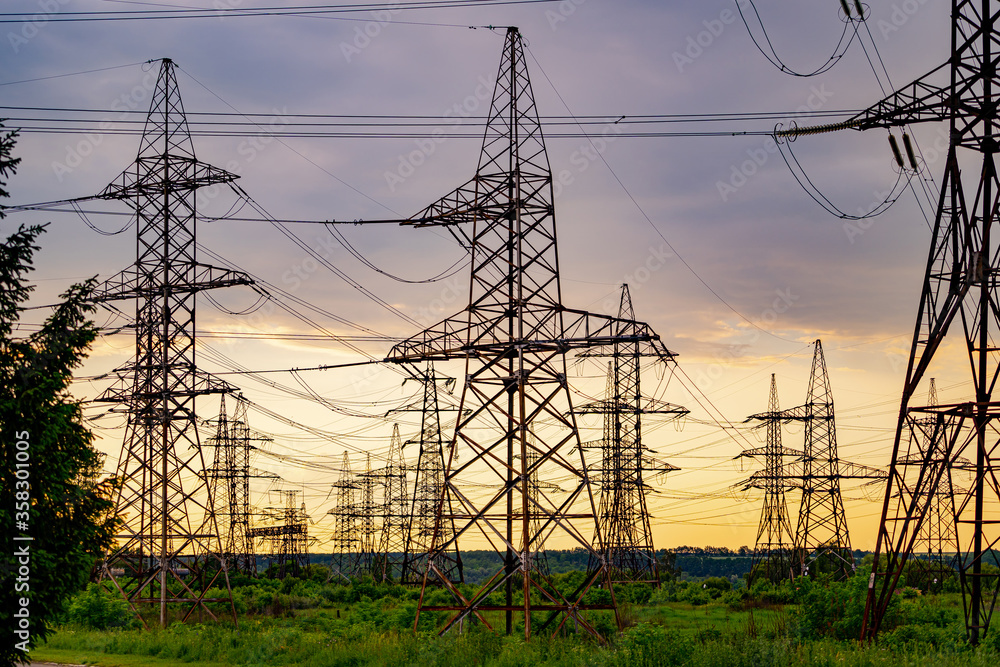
x=847, y=10
x=861, y=9
x=894, y=145
x=908, y=146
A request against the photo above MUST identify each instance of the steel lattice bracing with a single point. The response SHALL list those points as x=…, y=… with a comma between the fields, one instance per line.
x=229, y=478
x=624, y=461
x=346, y=541
x=822, y=541
x=368, y=513
x=772, y=555
x=395, y=512
x=513, y=336
x=428, y=489
x=168, y=548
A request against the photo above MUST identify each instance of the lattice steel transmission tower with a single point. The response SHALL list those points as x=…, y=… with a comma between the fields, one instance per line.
x=346, y=542
x=428, y=487
x=288, y=540
x=168, y=548
x=395, y=512
x=960, y=285
x=772, y=554
x=229, y=479
x=938, y=536
x=513, y=336
x=625, y=462
x=368, y=513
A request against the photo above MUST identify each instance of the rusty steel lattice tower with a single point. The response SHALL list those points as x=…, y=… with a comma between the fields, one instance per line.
x=513, y=336
x=772, y=554
x=625, y=463
x=428, y=488
x=168, y=548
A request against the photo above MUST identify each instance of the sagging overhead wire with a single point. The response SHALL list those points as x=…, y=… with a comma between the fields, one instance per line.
x=798, y=172
x=459, y=264
x=766, y=48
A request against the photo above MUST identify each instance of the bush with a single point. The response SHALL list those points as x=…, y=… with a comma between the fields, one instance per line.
x=647, y=644
x=99, y=609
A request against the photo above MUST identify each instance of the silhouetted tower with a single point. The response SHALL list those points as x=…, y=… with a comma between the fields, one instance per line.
x=959, y=287
x=428, y=488
x=513, y=336
x=772, y=554
x=395, y=512
x=821, y=536
x=625, y=462
x=938, y=536
x=229, y=478
x=346, y=542
x=368, y=524
x=168, y=534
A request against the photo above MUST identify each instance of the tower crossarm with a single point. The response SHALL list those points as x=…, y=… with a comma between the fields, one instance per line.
x=764, y=451
x=799, y=413
x=457, y=337
x=848, y=470
x=128, y=284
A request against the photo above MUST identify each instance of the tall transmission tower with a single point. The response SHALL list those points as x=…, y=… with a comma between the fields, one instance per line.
x=346, y=542
x=368, y=513
x=396, y=511
x=428, y=488
x=625, y=462
x=959, y=286
x=772, y=554
x=168, y=548
x=513, y=336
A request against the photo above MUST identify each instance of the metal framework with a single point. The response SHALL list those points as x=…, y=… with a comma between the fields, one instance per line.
x=289, y=540
x=428, y=487
x=625, y=462
x=772, y=554
x=346, y=542
x=396, y=512
x=960, y=286
x=368, y=513
x=513, y=336
x=168, y=548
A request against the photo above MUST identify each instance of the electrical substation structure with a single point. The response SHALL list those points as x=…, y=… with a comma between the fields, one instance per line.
x=513, y=337
x=959, y=287
x=168, y=550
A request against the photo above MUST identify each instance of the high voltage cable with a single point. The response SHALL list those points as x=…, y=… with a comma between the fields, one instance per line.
x=317, y=11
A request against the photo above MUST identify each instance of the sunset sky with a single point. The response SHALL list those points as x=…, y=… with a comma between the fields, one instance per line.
x=727, y=257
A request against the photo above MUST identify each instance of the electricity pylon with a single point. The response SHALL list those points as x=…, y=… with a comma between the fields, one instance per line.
x=772, y=554
x=938, y=536
x=960, y=286
x=168, y=550
x=396, y=511
x=428, y=487
x=289, y=539
x=346, y=542
x=513, y=336
x=625, y=462
x=821, y=540
x=367, y=513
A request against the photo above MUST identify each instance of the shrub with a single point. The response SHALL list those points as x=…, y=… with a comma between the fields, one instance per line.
x=98, y=609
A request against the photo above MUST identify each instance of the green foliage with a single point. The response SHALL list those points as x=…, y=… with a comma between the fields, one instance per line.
x=836, y=608
x=98, y=609
x=55, y=496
